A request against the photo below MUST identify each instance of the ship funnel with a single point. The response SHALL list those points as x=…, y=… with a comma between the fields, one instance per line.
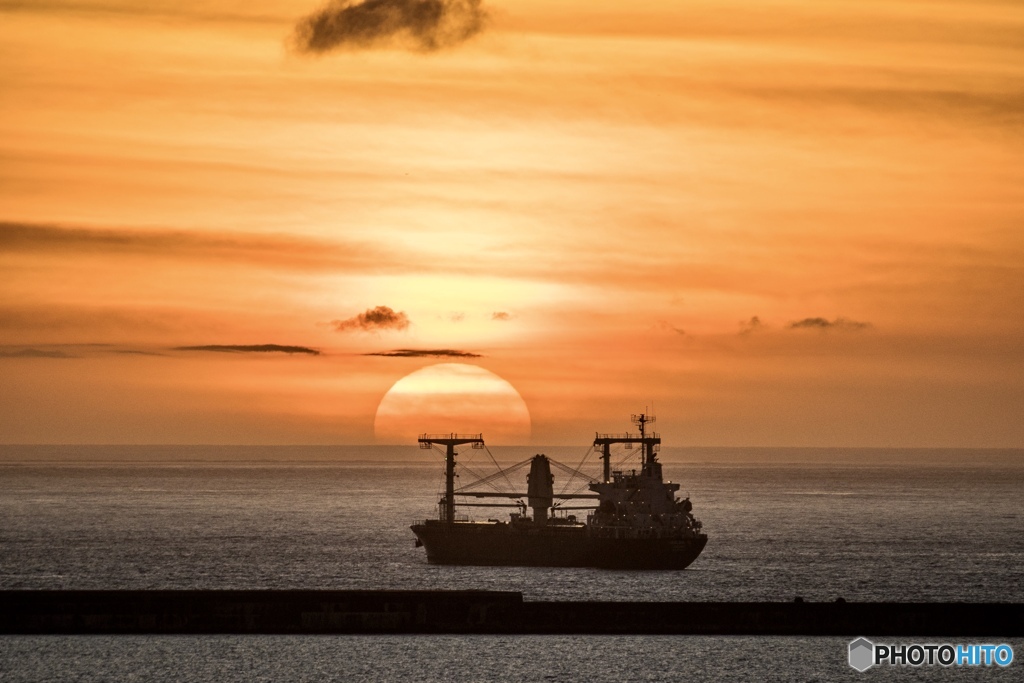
x=540, y=488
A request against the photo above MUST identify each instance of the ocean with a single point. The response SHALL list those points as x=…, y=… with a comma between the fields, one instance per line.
x=858, y=524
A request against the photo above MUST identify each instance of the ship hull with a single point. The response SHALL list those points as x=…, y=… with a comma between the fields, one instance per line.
x=505, y=545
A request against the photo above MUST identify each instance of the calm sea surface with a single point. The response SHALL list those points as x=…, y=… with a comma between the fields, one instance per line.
x=877, y=531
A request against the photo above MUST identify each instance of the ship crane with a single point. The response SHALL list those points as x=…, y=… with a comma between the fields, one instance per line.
x=540, y=492
x=450, y=441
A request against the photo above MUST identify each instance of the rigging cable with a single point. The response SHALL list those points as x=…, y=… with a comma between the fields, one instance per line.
x=578, y=468
x=489, y=478
x=507, y=480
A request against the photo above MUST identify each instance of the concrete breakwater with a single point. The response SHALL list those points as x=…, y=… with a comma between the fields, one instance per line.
x=426, y=612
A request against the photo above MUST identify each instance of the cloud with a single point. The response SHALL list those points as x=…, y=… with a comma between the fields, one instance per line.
x=666, y=326
x=422, y=25
x=254, y=348
x=751, y=326
x=501, y=315
x=1000, y=108
x=33, y=353
x=425, y=353
x=824, y=324
x=215, y=10
x=379, y=318
x=260, y=250
x=457, y=317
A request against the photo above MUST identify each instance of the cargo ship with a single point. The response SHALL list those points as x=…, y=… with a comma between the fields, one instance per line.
x=633, y=519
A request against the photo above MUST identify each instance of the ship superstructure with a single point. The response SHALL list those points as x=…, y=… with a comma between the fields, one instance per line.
x=634, y=519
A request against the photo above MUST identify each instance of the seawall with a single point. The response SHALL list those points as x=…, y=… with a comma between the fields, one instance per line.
x=436, y=612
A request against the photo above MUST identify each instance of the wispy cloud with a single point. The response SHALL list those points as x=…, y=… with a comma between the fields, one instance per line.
x=379, y=318
x=250, y=348
x=271, y=251
x=33, y=353
x=214, y=10
x=666, y=326
x=751, y=326
x=1000, y=108
x=425, y=353
x=422, y=25
x=501, y=315
x=825, y=324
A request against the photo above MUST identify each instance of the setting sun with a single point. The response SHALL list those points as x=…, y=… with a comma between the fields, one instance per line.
x=452, y=397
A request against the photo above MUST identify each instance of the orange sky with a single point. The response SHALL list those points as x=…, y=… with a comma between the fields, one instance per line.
x=611, y=205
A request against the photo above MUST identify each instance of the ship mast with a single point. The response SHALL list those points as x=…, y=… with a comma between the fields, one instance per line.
x=450, y=441
x=648, y=444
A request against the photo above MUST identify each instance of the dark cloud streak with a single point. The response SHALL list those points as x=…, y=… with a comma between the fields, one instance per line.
x=423, y=25
x=425, y=353
x=825, y=324
x=33, y=353
x=251, y=348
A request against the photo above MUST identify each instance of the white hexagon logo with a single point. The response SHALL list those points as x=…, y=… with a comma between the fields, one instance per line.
x=862, y=654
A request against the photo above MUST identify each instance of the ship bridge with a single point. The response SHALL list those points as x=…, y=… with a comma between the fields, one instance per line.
x=650, y=444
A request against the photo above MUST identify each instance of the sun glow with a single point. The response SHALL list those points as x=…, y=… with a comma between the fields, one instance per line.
x=452, y=397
